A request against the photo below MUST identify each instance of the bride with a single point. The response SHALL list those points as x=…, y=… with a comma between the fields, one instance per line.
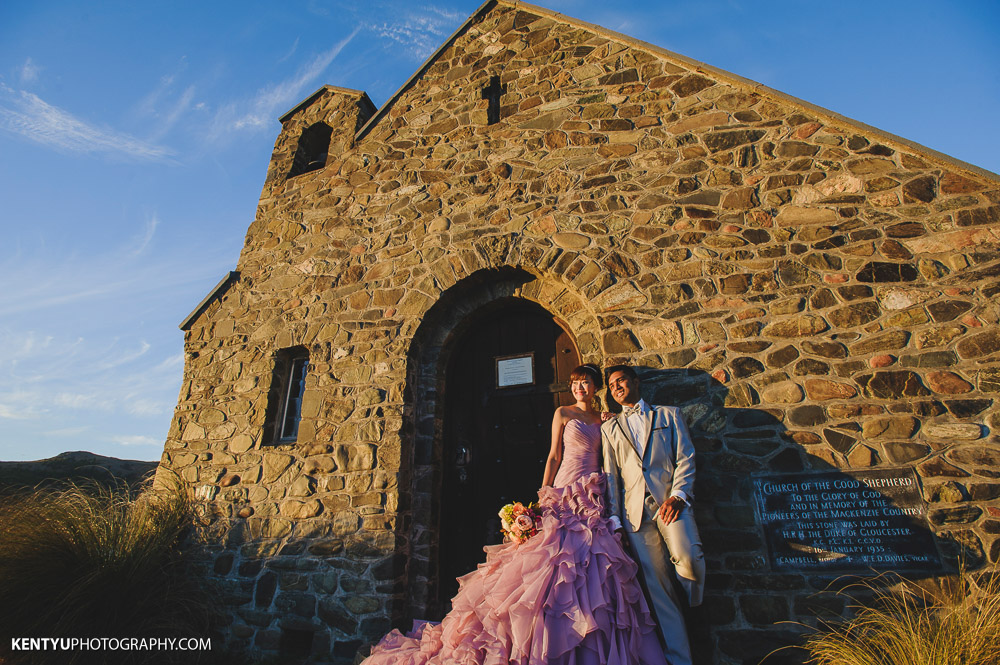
x=566, y=595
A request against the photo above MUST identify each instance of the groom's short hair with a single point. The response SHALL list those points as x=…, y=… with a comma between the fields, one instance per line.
x=628, y=371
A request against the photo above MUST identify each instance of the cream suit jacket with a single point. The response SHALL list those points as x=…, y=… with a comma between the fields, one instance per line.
x=668, y=463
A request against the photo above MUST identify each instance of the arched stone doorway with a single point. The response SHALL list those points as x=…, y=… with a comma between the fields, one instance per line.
x=508, y=372
x=435, y=343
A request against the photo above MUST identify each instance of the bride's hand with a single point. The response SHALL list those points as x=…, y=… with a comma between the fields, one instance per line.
x=606, y=416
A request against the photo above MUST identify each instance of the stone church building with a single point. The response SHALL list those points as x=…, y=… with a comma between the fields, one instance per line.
x=378, y=374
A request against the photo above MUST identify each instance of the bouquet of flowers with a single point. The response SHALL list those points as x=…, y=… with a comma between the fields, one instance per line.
x=519, y=522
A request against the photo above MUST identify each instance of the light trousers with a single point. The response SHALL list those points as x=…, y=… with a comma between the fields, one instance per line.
x=649, y=544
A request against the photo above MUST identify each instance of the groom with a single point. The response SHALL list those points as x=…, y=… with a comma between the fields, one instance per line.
x=649, y=459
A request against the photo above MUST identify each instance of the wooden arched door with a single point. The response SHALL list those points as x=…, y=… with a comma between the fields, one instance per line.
x=497, y=425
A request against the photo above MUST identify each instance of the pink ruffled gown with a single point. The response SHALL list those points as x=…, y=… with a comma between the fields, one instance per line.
x=567, y=595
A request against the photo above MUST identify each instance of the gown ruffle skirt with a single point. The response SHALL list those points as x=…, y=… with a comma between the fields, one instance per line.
x=567, y=595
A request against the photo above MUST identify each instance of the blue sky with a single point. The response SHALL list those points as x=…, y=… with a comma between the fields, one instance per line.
x=135, y=137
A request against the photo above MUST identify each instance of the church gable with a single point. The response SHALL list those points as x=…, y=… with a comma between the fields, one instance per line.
x=813, y=293
x=566, y=124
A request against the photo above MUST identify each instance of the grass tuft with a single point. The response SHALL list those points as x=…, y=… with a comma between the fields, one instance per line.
x=956, y=623
x=89, y=561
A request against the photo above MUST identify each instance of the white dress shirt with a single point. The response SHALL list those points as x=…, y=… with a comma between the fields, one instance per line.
x=637, y=427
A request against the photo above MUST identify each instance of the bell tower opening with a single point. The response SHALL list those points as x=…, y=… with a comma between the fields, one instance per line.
x=311, y=153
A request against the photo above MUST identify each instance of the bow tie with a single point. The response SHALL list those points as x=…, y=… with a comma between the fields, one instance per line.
x=631, y=410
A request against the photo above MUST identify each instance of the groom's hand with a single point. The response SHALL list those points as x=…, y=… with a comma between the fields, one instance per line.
x=671, y=509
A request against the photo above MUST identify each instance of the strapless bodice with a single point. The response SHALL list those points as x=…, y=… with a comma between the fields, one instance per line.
x=581, y=452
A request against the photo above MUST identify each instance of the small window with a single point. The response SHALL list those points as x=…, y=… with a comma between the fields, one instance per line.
x=312, y=149
x=285, y=398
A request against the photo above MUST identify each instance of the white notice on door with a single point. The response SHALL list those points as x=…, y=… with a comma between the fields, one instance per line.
x=516, y=370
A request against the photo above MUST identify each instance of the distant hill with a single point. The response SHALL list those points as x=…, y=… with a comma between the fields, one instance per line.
x=76, y=466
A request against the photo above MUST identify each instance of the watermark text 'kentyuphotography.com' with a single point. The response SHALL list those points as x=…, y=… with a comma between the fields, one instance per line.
x=111, y=644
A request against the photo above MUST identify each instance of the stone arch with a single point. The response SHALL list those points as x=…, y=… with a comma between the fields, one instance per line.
x=427, y=360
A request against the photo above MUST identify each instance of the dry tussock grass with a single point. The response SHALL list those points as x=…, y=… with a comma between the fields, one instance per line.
x=89, y=561
x=954, y=623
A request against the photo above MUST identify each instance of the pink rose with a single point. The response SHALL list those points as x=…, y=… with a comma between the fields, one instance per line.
x=524, y=523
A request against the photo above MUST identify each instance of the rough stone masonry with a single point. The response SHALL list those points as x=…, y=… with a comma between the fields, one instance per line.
x=823, y=295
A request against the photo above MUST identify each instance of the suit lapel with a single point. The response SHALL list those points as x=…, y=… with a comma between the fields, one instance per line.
x=623, y=434
x=648, y=421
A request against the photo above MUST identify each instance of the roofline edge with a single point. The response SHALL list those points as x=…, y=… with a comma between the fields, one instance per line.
x=361, y=94
x=690, y=63
x=231, y=276
x=372, y=121
x=838, y=118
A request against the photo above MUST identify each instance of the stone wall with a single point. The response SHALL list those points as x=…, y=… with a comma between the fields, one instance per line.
x=812, y=292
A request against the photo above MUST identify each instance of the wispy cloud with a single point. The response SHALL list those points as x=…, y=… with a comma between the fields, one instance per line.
x=420, y=31
x=124, y=357
x=16, y=412
x=150, y=104
x=37, y=283
x=83, y=401
x=290, y=53
x=149, y=407
x=31, y=344
x=46, y=295
x=165, y=88
x=171, y=363
x=29, y=71
x=137, y=440
x=66, y=431
x=25, y=114
x=168, y=102
x=59, y=368
x=20, y=401
x=84, y=375
x=174, y=112
x=263, y=109
x=142, y=242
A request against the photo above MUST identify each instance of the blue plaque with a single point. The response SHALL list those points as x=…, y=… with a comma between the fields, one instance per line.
x=872, y=519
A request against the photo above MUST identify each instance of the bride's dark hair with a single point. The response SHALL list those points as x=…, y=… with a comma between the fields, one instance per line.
x=587, y=371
